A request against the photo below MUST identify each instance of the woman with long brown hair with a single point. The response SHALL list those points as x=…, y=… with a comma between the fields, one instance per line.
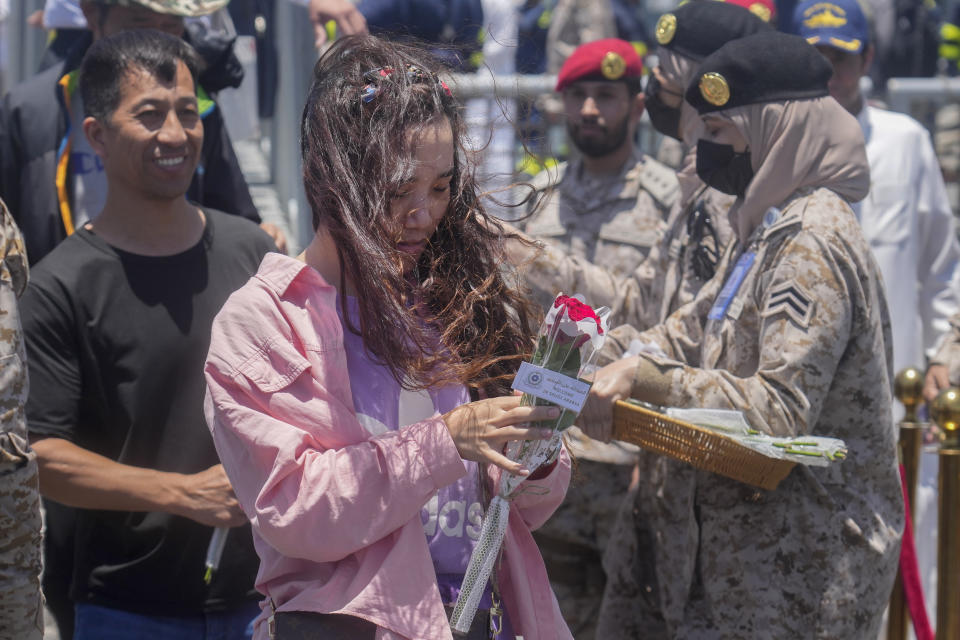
x=340, y=382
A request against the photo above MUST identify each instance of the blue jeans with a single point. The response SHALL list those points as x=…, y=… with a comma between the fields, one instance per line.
x=94, y=622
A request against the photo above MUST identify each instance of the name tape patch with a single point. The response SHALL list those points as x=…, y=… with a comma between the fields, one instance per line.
x=554, y=387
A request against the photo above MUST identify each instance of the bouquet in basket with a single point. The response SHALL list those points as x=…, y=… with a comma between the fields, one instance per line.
x=569, y=340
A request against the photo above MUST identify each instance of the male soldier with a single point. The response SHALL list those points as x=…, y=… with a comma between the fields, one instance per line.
x=53, y=181
x=21, y=607
x=117, y=322
x=697, y=229
x=607, y=207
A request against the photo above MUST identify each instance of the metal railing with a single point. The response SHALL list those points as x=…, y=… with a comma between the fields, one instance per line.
x=24, y=44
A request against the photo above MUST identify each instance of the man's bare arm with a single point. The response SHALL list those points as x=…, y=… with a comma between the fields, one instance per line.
x=81, y=478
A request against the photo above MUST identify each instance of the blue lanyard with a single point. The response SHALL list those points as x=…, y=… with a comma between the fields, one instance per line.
x=732, y=285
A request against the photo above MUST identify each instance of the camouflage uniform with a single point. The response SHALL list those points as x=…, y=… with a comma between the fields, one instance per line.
x=661, y=284
x=614, y=223
x=803, y=346
x=21, y=606
x=610, y=223
x=664, y=282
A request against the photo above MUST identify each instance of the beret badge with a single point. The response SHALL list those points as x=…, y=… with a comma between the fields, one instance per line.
x=613, y=66
x=714, y=89
x=761, y=11
x=666, y=28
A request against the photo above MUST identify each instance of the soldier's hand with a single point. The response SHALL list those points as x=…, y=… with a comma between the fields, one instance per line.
x=208, y=498
x=938, y=379
x=611, y=383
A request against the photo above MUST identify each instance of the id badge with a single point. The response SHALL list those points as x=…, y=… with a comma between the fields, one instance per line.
x=731, y=286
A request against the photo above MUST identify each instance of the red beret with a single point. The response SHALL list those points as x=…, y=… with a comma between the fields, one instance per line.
x=610, y=59
x=766, y=10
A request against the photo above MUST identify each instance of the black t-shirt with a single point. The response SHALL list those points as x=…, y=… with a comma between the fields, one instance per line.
x=116, y=344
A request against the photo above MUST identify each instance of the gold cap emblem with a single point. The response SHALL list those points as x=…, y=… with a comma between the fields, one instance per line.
x=613, y=66
x=666, y=28
x=714, y=89
x=824, y=15
x=761, y=11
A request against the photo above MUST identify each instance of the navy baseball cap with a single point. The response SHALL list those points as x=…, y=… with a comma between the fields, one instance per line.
x=840, y=24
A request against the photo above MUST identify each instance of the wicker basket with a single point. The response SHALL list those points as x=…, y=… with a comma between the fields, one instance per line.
x=703, y=448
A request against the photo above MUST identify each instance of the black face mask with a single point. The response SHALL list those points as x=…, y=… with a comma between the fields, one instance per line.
x=724, y=169
x=664, y=118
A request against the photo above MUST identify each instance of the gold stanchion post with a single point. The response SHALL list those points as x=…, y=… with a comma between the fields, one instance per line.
x=945, y=411
x=908, y=389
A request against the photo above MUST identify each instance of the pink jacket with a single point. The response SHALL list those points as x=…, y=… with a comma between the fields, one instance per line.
x=336, y=512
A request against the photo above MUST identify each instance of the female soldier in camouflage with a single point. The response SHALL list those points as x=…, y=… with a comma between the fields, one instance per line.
x=794, y=332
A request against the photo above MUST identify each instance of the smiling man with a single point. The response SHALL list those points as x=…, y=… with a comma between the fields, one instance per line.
x=117, y=322
x=50, y=177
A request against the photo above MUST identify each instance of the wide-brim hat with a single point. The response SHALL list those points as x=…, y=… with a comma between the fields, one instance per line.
x=184, y=8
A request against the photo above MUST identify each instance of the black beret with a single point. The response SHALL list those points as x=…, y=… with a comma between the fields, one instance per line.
x=698, y=28
x=765, y=67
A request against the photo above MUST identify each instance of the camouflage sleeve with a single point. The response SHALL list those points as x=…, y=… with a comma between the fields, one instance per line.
x=553, y=271
x=21, y=614
x=797, y=357
x=616, y=344
x=13, y=376
x=680, y=336
x=12, y=252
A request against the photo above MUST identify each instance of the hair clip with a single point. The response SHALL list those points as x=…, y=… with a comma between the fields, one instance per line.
x=368, y=93
x=414, y=75
x=376, y=74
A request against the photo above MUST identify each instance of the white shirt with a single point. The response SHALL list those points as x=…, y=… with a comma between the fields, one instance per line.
x=908, y=222
x=63, y=14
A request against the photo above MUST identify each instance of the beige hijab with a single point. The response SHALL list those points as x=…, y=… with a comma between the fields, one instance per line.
x=680, y=70
x=797, y=144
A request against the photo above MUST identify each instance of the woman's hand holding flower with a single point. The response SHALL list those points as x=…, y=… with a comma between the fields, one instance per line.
x=481, y=429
